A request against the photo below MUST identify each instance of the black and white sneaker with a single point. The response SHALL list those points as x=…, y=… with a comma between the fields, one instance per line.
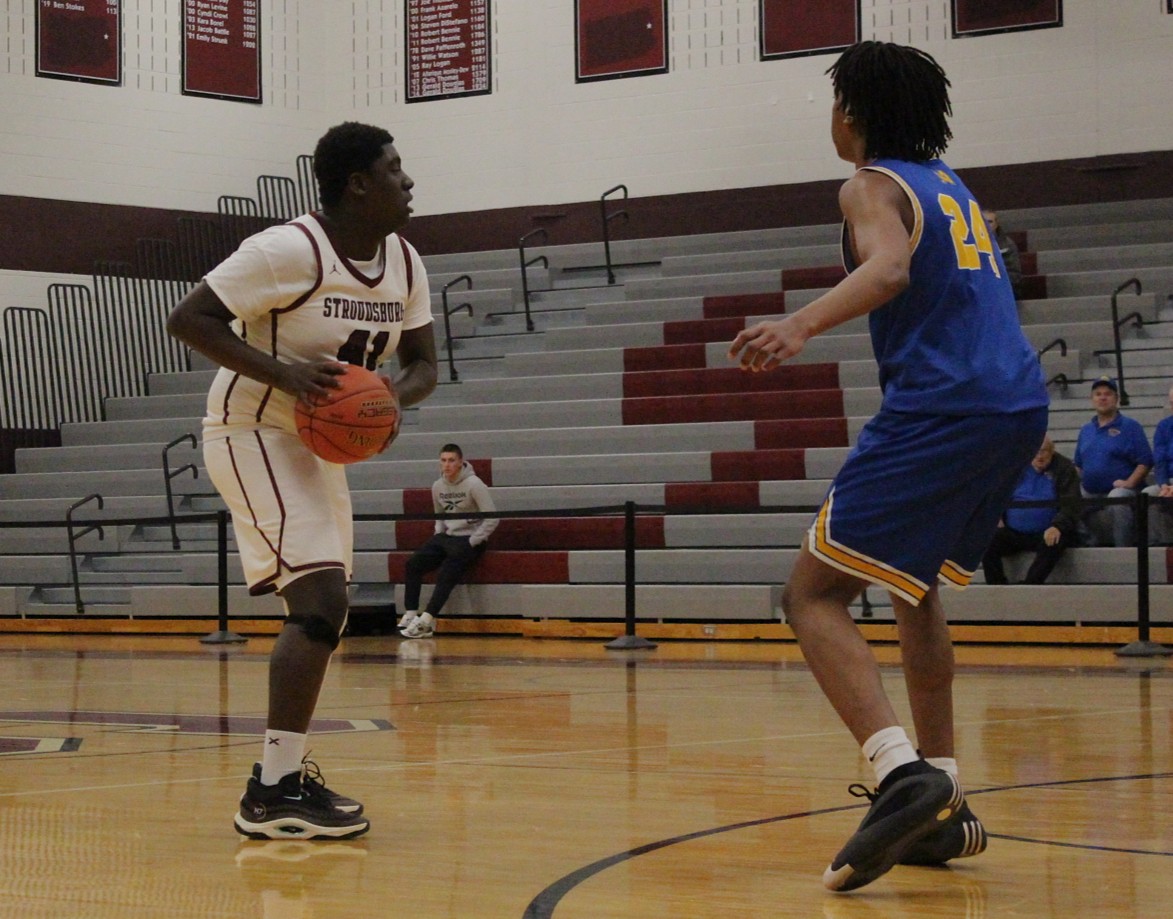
x=294, y=809
x=312, y=774
x=910, y=803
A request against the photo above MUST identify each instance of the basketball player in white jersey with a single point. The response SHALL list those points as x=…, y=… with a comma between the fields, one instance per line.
x=282, y=317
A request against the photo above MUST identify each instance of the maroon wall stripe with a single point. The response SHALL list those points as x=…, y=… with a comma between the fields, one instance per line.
x=43, y=234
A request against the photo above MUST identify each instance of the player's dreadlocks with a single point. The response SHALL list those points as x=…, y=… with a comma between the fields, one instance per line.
x=900, y=96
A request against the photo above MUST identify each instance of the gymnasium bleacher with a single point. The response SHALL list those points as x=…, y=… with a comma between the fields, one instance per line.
x=622, y=393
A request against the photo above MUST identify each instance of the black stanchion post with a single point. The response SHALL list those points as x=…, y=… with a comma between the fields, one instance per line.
x=629, y=641
x=223, y=635
x=1143, y=646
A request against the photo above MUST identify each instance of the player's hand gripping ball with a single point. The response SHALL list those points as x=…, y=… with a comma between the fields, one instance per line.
x=352, y=423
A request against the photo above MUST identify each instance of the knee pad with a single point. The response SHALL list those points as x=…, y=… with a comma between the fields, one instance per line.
x=317, y=628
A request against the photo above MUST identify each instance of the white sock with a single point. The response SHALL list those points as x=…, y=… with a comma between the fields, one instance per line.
x=283, y=754
x=944, y=763
x=426, y=619
x=889, y=749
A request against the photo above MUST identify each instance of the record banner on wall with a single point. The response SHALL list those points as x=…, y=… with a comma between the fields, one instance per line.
x=447, y=47
x=222, y=49
x=987, y=17
x=620, y=38
x=794, y=28
x=80, y=40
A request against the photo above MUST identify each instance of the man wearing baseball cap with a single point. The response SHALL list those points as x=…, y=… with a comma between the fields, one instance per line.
x=1113, y=457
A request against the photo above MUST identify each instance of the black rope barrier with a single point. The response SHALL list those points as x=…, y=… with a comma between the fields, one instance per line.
x=1143, y=646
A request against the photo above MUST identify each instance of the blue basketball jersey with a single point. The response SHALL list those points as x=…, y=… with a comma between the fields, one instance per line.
x=951, y=342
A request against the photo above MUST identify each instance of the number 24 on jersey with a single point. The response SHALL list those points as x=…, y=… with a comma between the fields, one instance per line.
x=971, y=239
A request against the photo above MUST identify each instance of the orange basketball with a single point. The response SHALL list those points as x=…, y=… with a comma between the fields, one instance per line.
x=353, y=422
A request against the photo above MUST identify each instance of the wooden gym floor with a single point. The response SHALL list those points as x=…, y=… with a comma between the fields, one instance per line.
x=526, y=779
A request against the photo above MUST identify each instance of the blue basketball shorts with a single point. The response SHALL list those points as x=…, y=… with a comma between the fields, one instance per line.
x=919, y=497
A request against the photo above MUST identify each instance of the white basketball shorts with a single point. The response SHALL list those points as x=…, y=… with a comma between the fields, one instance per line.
x=291, y=511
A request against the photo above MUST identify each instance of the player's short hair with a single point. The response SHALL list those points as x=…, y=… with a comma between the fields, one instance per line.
x=345, y=149
x=900, y=97
x=452, y=448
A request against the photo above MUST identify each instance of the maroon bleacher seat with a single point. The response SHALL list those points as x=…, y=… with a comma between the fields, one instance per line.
x=689, y=331
x=497, y=568
x=745, y=305
x=750, y=406
x=729, y=380
x=546, y=533
x=661, y=357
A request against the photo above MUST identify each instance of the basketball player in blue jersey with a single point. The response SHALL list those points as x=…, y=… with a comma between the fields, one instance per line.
x=964, y=409
x=267, y=315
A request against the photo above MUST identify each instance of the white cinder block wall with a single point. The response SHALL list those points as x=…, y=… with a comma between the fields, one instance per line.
x=719, y=119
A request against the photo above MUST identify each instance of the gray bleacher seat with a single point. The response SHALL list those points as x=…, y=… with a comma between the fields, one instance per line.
x=547, y=409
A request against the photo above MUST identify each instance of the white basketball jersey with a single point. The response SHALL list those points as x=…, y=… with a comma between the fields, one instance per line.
x=298, y=299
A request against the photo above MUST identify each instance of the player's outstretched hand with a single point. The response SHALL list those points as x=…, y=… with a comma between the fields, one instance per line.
x=764, y=345
x=311, y=381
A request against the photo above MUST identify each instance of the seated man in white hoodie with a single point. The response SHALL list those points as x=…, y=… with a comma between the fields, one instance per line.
x=454, y=547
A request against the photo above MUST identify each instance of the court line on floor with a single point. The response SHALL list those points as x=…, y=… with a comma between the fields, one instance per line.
x=503, y=759
x=544, y=904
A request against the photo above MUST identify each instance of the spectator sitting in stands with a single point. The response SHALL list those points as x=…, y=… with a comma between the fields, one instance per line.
x=1046, y=530
x=454, y=547
x=1161, y=513
x=1009, y=249
x=1113, y=457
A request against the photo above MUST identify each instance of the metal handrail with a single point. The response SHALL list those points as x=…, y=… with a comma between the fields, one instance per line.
x=448, y=311
x=74, y=537
x=1058, y=341
x=529, y=323
x=1135, y=318
x=1116, y=322
x=607, y=218
x=168, y=475
x=1061, y=379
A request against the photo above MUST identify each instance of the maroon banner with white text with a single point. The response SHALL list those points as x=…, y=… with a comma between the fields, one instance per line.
x=222, y=49
x=80, y=40
x=447, y=45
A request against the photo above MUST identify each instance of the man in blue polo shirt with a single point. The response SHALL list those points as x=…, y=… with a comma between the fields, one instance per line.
x=1113, y=457
x=1048, y=531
